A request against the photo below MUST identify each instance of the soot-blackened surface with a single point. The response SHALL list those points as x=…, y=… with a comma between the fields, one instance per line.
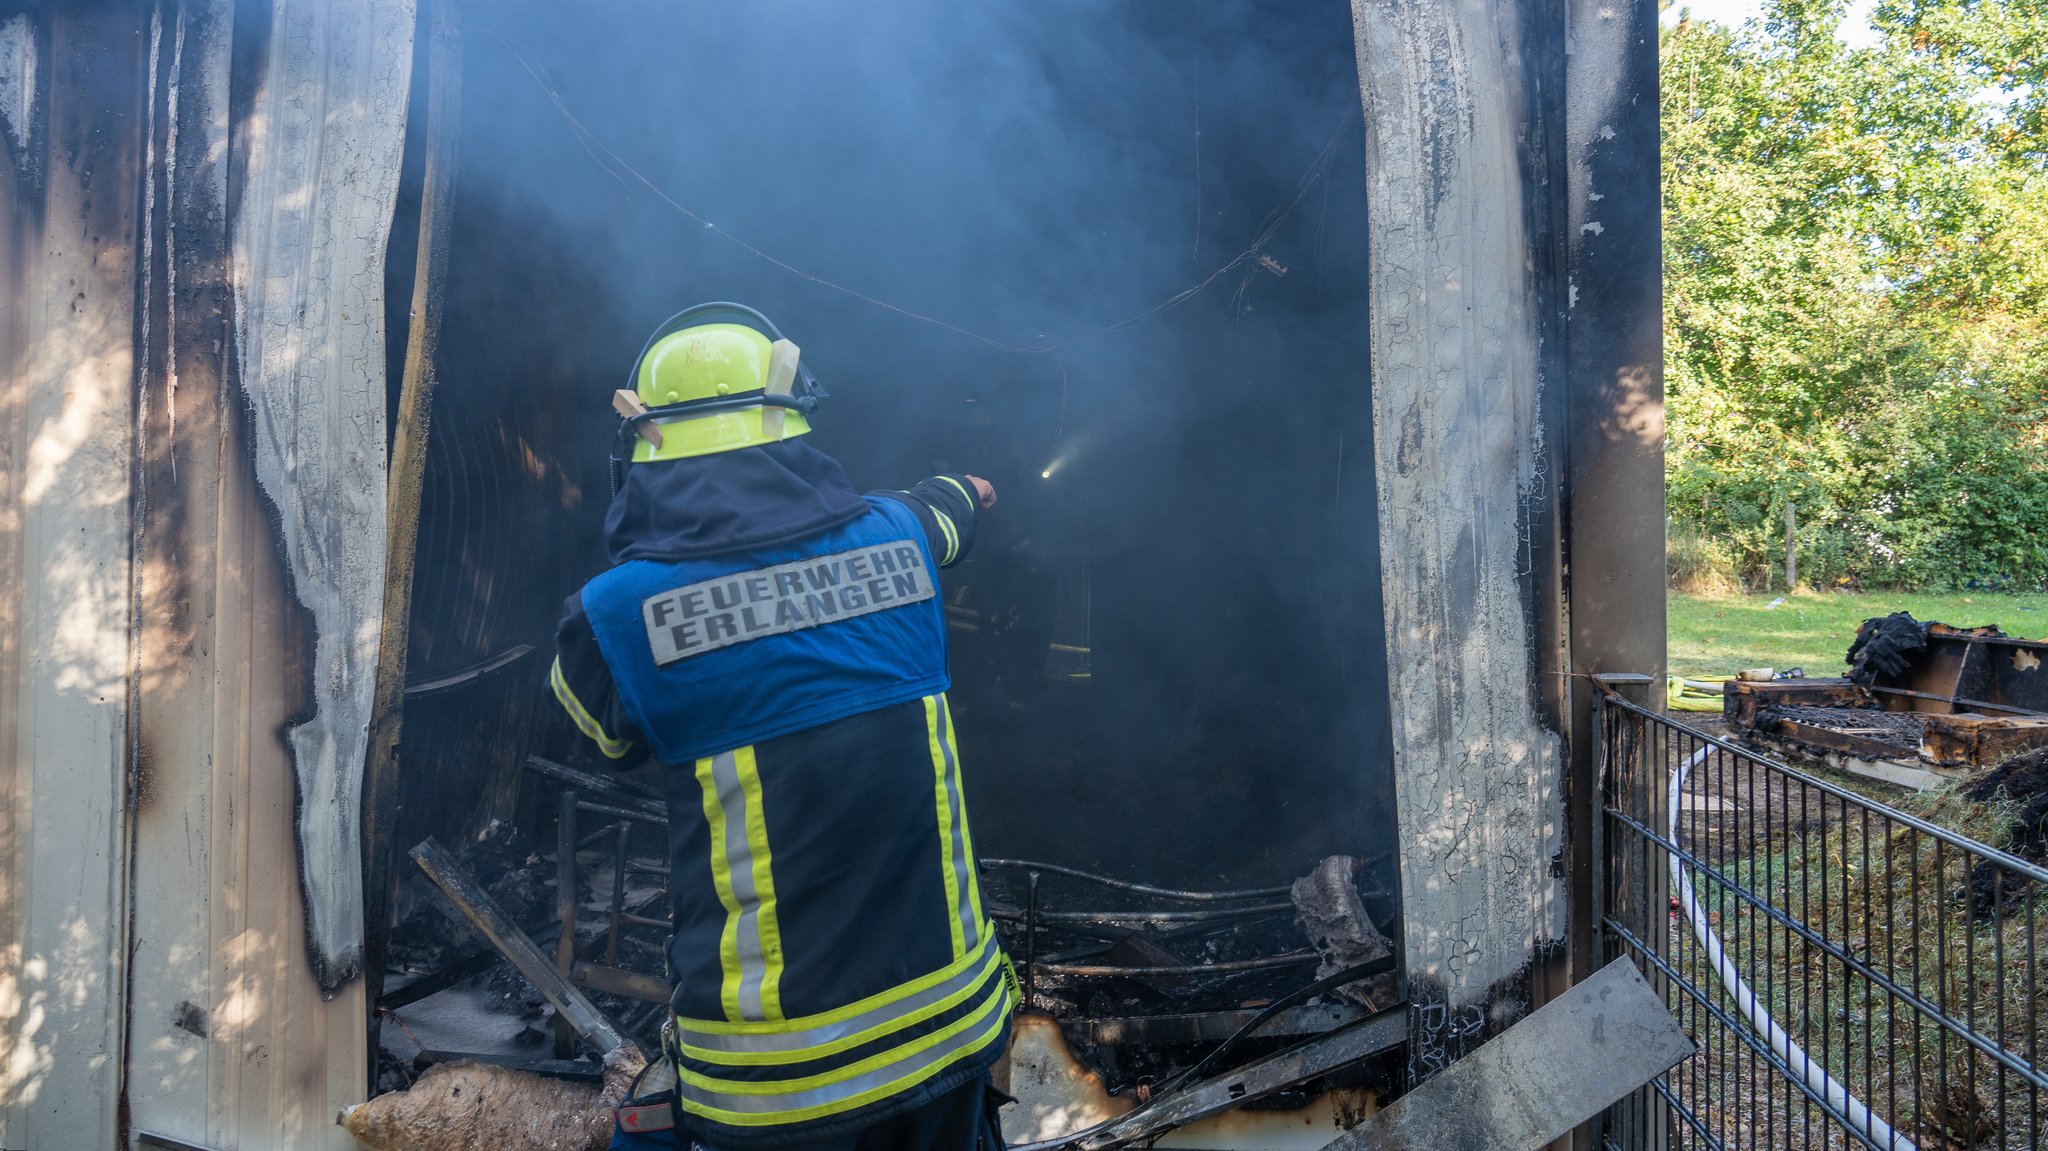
x=1168, y=656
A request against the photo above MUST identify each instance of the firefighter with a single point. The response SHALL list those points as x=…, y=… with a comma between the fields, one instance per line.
x=776, y=641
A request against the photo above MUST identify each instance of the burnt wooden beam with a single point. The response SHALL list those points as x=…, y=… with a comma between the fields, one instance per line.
x=620, y=982
x=402, y=494
x=1979, y=740
x=498, y=929
x=1741, y=700
x=619, y=792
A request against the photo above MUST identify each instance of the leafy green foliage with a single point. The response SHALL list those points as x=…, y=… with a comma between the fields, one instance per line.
x=1856, y=292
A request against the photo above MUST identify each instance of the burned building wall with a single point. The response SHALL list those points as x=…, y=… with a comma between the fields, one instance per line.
x=160, y=965
x=65, y=590
x=1465, y=457
x=319, y=159
x=1518, y=401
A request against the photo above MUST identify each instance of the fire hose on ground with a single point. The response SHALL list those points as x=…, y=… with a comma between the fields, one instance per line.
x=1837, y=1097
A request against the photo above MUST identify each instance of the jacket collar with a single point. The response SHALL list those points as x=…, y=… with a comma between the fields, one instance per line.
x=745, y=500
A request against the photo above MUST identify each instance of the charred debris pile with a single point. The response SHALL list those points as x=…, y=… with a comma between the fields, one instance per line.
x=1923, y=703
x=1145, y=982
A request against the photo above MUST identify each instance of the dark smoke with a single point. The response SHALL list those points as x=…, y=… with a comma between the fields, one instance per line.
x=1032, y=177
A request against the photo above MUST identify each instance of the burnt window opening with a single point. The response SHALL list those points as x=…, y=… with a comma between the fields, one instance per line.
x=1167, y=647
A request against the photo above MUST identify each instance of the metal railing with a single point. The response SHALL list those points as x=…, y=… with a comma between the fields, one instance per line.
x=1855, y=976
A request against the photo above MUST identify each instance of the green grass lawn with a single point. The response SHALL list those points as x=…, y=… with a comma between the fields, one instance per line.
x=1720, y=635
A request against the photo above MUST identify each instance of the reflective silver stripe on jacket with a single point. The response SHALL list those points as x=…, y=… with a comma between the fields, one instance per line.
x=739, y=862
x=984, y=966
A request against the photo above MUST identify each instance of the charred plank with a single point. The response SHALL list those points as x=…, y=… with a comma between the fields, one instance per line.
x=489, y=919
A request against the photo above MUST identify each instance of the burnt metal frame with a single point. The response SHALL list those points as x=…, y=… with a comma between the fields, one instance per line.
x=1795, y=900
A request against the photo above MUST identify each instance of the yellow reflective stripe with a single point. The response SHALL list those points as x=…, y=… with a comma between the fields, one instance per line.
x=965, y=898
x=952, y=536
x=750, y=947
x=585, y=722
x=962, y=489
x=837, y=1014
x=813, y=1096
x=949, y=864
x=971, y=860
x=767, y=925
x=926, y=1042
x=721, y=879
x=993, y=963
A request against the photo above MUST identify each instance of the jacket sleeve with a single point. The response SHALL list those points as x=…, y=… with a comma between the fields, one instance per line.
x=583, y=685
x=946, y=506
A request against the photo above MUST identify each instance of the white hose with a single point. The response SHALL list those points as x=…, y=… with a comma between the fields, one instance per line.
x=1817, y=1078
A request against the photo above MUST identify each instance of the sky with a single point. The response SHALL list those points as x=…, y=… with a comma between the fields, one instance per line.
x=1855, y=31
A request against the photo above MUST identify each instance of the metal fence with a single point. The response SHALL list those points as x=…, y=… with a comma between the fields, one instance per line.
x=1855, y=976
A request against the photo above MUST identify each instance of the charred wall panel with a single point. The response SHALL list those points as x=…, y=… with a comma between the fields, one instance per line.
x=319, y=155
x=153, y=651
x=233, y=1043
x=1517, y=385
x=1460, y=242
x=1615, y=333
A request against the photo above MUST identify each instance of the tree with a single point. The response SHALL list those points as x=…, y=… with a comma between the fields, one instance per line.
x=1856, y=282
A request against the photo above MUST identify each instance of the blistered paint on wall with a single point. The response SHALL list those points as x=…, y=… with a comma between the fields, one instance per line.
x=324, y=139
x=232, y=1043
x=1460, y=441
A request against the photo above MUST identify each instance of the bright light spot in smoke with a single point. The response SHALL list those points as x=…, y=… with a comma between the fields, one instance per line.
x=1046, y=474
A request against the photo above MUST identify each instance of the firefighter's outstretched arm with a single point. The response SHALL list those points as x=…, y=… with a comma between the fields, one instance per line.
x=947, y=505
x=583, y=685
